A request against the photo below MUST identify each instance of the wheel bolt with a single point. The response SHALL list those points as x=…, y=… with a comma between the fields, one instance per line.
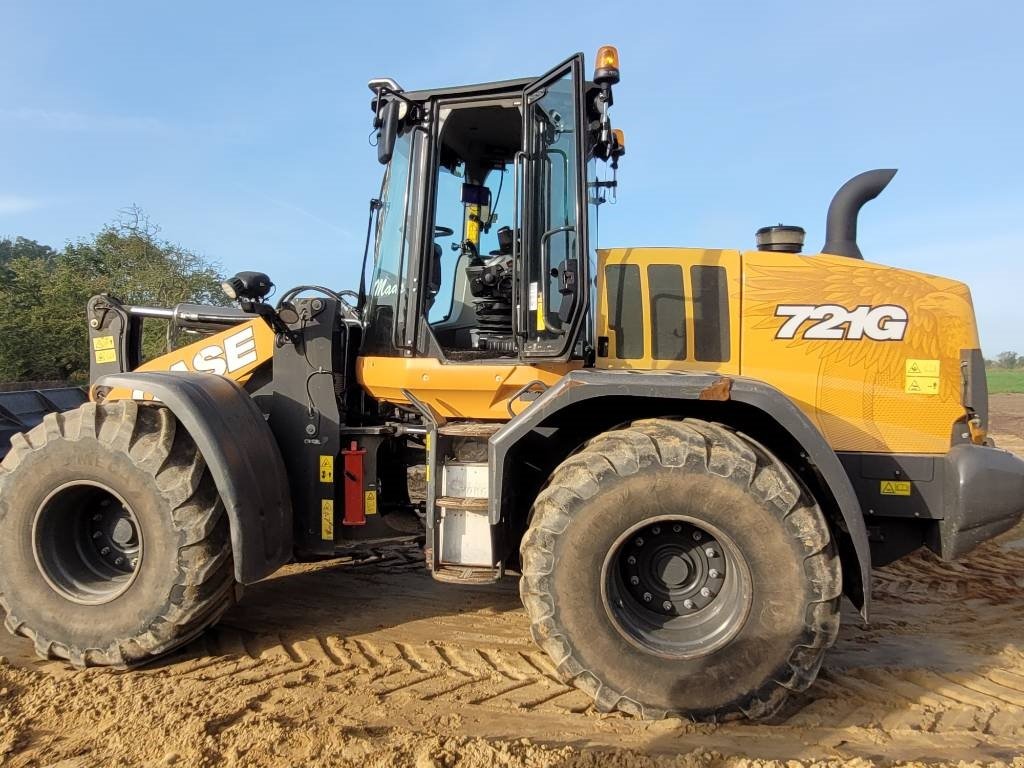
x=639, y=541
x=677, y=528
x=105, y=551
x=648, y=597
x=656, y=530
x=119, y=561
x=135, y=562
x=634, y=580
x=710, y=552
x=667, y=605
x=713, y=574
x=97, y=535
x=705, y=592
x=631, y=560
x=97, y=517
x=688, y=604
x=697, y=536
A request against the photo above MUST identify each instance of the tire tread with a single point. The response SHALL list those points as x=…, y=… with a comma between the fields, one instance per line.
x=702, y=446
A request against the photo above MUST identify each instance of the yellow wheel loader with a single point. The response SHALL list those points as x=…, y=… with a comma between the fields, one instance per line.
x=687, y=456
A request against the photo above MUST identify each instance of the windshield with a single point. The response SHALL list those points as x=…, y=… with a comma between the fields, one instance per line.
x=390, y=249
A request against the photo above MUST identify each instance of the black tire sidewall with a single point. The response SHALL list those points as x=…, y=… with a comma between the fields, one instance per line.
x=31, y=599
x=759, y=652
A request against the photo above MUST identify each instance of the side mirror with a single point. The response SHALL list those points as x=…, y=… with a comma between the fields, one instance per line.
x=388, y=132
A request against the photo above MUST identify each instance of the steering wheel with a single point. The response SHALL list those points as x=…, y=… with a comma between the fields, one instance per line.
x=440, y=231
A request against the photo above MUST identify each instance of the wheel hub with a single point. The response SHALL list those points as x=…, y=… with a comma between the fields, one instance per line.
x=87, y=542
x=674, y=568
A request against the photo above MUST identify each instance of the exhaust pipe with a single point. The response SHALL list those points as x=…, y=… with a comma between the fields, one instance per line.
x=841, y=224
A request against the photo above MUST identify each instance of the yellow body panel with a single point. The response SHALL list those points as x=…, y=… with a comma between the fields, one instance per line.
x=870, y=353
x=467, y=391
x=899, y=395
x=234, y=353
x=684, y=257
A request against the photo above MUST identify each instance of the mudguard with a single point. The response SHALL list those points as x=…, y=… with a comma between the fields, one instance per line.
x=232, y=435
x=588, y=384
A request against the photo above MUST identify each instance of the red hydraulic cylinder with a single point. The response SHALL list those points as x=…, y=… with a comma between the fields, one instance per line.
x=355, y=501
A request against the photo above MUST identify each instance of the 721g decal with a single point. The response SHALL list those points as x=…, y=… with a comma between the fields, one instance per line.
x=887, y=322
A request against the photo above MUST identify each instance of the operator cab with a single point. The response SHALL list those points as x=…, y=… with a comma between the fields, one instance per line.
x=483, y=242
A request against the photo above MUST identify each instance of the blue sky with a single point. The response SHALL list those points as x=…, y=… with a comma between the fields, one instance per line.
x=241, y=128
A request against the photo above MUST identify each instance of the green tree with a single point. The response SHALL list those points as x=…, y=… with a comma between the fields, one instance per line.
x=1009, y=359
x=43, y=328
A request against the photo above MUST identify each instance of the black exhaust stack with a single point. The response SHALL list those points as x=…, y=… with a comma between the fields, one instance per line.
x=841, y=225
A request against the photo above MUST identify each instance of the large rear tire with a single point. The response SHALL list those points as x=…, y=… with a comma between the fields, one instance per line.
x=678, y=567
x=114, y=541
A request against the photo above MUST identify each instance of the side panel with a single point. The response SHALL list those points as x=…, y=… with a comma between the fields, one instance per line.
x=870, y=353
x=466, y=391
x=239, y=448
x=668, y=309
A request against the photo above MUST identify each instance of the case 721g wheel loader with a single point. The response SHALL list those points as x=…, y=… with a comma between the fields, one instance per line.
x=688, y=455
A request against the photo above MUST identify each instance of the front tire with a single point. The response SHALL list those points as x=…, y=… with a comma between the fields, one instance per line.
x=114, y=541
x=677, y=567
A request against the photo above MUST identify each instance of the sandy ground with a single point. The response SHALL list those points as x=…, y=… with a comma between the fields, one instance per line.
x=374, y=664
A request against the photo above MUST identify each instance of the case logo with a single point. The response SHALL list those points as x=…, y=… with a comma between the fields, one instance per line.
x=238, y=351
x=831, y=322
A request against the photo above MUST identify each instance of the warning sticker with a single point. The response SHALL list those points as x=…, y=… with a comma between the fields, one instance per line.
x=922, y=367
x=326, y=469
x=103, y=342
x=922, y=385
x=895, y=487
x=370, y=504
x=921, y=377
x=327, y=519
x=106, y=356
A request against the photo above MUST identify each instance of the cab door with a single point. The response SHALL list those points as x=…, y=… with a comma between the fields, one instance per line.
x=551, y=255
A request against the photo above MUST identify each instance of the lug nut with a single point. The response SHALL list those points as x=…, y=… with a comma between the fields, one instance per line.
x=634, y=580
x=688, y=603
x=97, y=535
x=648, y=597
x=105, y=551
x=697, y=536
x=135, y=562
x=677, y=528
x=710, y=552
x=713, y=574
x=97, y=517
x=656, y=530
x=631, y=560
x=705, y=592
x=667, y=605
x=639, y=541
x=119, y=561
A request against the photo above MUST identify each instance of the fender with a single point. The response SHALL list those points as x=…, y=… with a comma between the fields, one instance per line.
x=232, y=435
x=588, y=384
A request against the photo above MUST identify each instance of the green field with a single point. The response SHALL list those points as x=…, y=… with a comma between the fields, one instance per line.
x=1003, y=380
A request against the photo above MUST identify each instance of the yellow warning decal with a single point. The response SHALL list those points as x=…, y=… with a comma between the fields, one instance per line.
x=895, y=487
x=426, y=442
x=326, y=469
x=103, y=347
x=327, y=519
x=541, y=317
x=370, y=504
x=921, y=377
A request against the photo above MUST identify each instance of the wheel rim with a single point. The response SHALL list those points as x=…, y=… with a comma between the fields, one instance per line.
x=87, y=542
x=676, y=587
